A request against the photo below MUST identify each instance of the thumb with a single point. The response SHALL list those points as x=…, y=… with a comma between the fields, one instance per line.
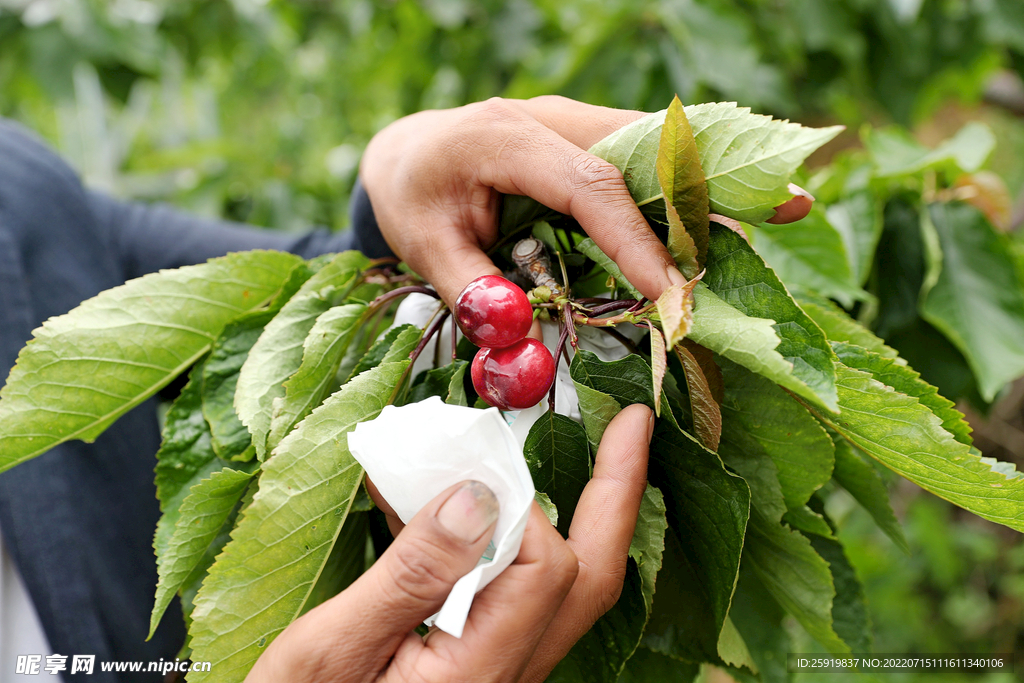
x=441, y=544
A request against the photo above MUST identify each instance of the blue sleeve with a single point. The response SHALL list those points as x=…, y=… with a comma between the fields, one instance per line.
x=149, y=237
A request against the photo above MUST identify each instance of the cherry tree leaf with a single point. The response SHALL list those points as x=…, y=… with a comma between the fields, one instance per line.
x=685, y=190
x=266, y=573
x=590, y=249
x=659, y=364
x=747, y=158
x=707, y=415
x=558, y=455
x=85, y=369
x=277, y=354
x=855, y=473
x=840, y=327
x=675, y=310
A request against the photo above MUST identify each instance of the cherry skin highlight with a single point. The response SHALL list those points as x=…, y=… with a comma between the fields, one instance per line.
x=514, y=378
x=493, y=312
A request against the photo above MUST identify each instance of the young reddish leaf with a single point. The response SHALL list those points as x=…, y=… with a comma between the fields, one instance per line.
x=712, y=373
x=685, y=190
x=659, y=363
x=707, y=416
x=675, y=308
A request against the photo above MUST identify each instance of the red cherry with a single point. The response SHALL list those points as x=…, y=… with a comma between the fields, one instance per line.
x=493, y=312
x=513, y=378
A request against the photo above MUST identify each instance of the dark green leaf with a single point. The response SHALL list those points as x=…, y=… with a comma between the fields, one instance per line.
x=590, y=249
x=855, y=473
x=375, y=355
x=558, y=455
x=758, y=618
x=977, y=300
x=739, y=276
x=648, y=543
x=648, y=666
x=849, y=611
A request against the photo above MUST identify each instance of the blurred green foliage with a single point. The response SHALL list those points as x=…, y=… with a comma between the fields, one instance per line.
x=258, y=110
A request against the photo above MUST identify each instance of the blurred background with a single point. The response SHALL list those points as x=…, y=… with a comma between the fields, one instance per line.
x=258, y=110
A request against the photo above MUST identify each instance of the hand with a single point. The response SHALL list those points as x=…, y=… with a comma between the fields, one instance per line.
x=520, y=625
x=435, y=180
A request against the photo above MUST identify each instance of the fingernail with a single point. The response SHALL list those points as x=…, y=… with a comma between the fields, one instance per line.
x=798, y=191
x=469, y=512
x=675, y=277
x=650, y=427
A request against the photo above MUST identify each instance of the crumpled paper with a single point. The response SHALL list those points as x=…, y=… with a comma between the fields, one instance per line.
x=415, y=452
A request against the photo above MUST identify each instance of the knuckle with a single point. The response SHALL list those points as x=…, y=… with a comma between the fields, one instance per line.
x=564, y=568
x=419, y=570
x=596, y=176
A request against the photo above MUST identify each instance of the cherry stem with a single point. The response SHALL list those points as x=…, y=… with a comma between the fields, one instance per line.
x=431, y=331
x=638, y=305
x=402, y=291
x=559, y=350
x=455, y=341
x=610, y=306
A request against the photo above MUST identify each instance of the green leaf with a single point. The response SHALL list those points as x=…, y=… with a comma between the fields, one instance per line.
x=739, y=276
x=200, y=518
x=648, y=666
x=597, y=409
x=406, y=341
x=230, y=437
x=855, y=473
x=601, y=654
x=707, y=509
x=707, y=414
x=648, y=543
x=796, y=576
x=760, y=420
x=558, y=455
x=978, y=298
x=895, y=153
x=588, y=248
x=810, y=522
x=85, y=369
x=264, y=577
x=322, y=353
x=437, y=382
x=345, y=563
x=278, y=353
x=849, y=611
x=659, y=364
x=758, y=618
x=457, y=386
x=905, y=380
x=747, y=158
x=399, y=338
x=838, y=326
x=685, y=190
x=550, y=511
x=858, y=220
x=810, y=254
x=905, y=436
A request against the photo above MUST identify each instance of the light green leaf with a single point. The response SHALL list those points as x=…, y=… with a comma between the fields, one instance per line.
x=895, y=153
x=230, y=437
x=905, y=436
x=760, y=420
x=549, y=508
x=808, y=521
x=456, y=386
x=406, y=341
x=588, y=248
x=796, y=576
x=905, y=380
x=598, y=409
x=685, y=190
x=858, y=220
x=855, y=473
x=347, y=560
x=558, y=455
x=747, y=158
x=322, y=353
x=401, y=339
x=733, y=649
x=748, y=341
x=838, y=326
x=978, y=299
x=278, y=353
x=659, y=364
x=648, y=543
x=200, y=518
x=739, y=276
x=84, y=369
x=264, y=577
x=810, y=254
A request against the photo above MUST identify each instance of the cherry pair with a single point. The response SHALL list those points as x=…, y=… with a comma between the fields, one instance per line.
x=510, y=371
